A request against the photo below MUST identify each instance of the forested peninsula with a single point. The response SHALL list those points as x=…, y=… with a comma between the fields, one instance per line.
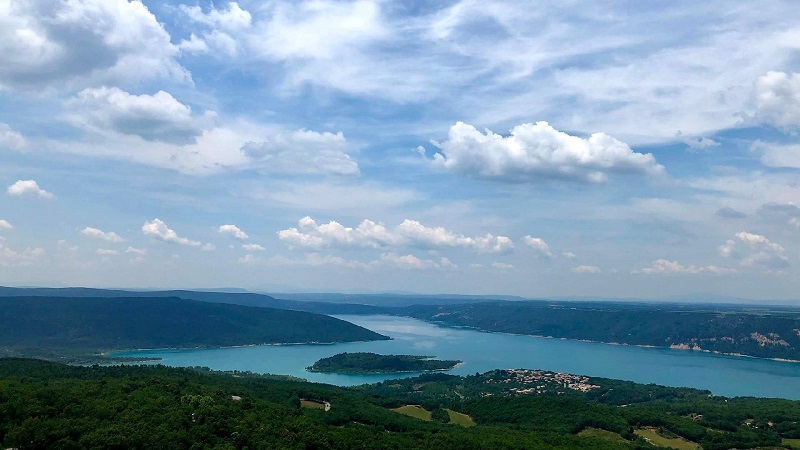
x=77, y=329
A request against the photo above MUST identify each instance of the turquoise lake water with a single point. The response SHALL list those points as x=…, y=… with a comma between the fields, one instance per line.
x=722, y=375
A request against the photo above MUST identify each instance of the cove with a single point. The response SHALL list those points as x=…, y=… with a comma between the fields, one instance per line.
x=721, y=374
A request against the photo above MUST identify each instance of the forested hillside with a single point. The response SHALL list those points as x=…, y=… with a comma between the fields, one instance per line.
x=754, y=332
x=72, y=327
x=49, y=405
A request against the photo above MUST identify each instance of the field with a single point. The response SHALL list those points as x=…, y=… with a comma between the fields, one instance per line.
x=414, y=411
x=313, y=405
x=793, y=443
x=602, y=434
x=458, y=418
x=652, y=436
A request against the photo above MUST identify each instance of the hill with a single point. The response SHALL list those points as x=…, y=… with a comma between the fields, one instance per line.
x=49, y=405
x=67, y=327
x=766, y=332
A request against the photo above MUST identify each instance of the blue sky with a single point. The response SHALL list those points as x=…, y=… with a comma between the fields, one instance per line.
x=628, y=149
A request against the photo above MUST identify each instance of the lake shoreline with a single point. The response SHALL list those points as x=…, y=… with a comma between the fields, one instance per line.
x=670, y=347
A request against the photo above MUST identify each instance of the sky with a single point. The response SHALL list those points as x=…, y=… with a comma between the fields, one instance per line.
x=564, y=149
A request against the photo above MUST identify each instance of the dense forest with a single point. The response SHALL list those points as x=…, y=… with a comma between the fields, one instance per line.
x=76, y=328
x=762, y=333
x=374, y=363
x=50, y=405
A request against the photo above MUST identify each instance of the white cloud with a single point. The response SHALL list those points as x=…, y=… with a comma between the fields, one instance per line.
x=159, y=230
x=253, y=247
x=412, y=262
x=157, y=117
x=586, y=269
x=778, y=99
x=302, y=151
x=233, y=231
x=10, y=139
x=55, y=43
x=109, y=236
x=29, y=188
x=249, y=259
x=369, y=234
x=535, y=152
x=569, y=255
x=232, y=18
x=136, y=251
x=503, y=266
x=666, y=267
x=106, y=252
x=27, y=257
x=755, y=251
x=208, y=247
x=778, y=155
x=193, y=45
x=539, y=245
x=4, y=225
x=795, y=222
x=222, y=23
x=700, y=143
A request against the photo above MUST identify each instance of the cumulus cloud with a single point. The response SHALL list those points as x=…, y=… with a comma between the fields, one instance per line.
x=159, y=230
x=586, y=269
x=369, y=234
x=157, y=117
x=11, y=139
x=136, y=251
x=109, y=236
x=778, y=155
x=411, y=262
x=539, y=245
x=756, y=251
x=106, y=252
x=49, y=43
x=303, y=151
x=4, y=225
x=535, y=152
x=27, y=257
x=666, y=267
x=778, y=99
x=30, y=189
x=253, y=247
x=231, y=18
x=233, y=231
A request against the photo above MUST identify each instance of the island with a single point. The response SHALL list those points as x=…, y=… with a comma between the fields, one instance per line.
x=369, y=363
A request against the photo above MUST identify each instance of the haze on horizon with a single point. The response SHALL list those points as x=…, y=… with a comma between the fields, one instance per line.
x=573, y=149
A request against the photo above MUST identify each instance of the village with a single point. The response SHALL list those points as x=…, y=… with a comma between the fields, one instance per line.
x=540, y=382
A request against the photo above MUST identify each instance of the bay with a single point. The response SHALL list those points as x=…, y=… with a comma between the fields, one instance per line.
x=480, y=352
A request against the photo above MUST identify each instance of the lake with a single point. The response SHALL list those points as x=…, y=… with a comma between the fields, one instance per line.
x=722, y=375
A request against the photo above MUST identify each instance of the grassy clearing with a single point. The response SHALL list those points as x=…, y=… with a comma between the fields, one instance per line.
x=793, y=443
x=652, y=436
x=414, y=411
x=602, y=434
x=312, y=404
x=458, y=418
